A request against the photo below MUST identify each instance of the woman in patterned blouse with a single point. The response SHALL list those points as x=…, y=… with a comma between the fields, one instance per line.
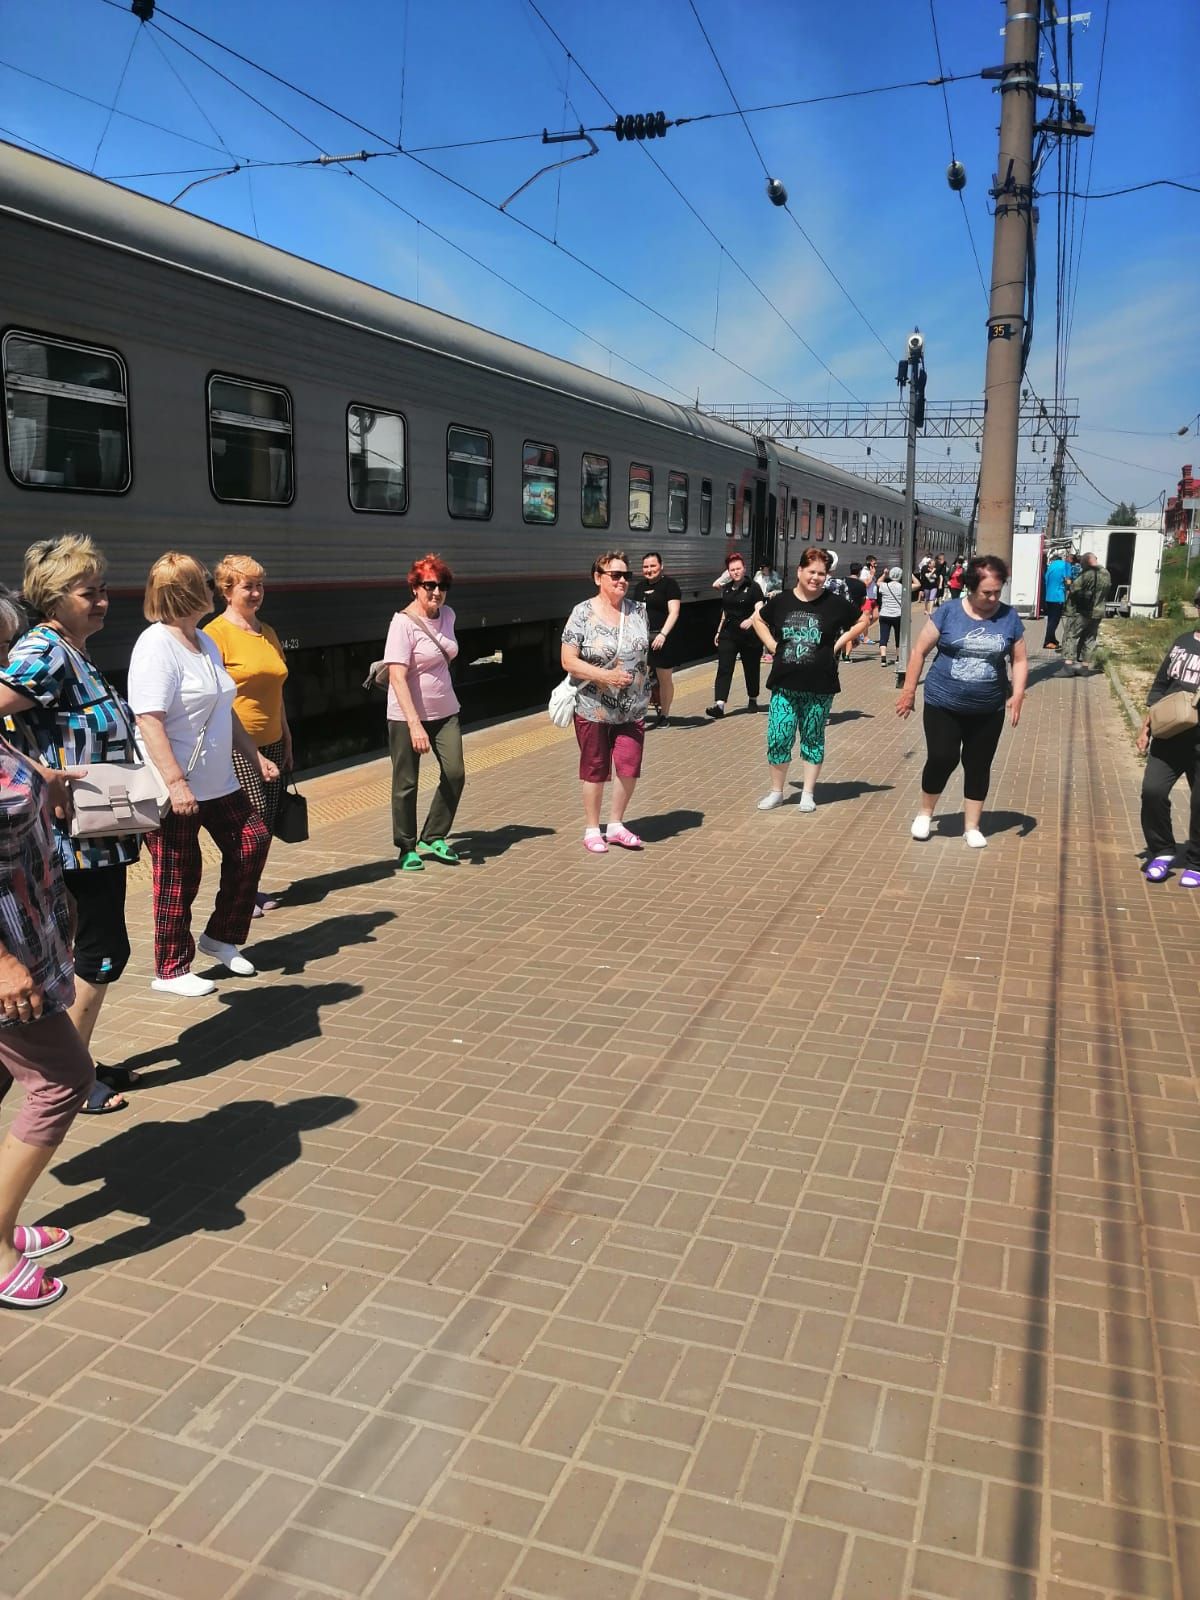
x=68, y=715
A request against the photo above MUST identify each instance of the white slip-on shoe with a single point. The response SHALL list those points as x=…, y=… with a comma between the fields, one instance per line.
x=974, y=839
x=227, y=954
x=188, y=984
x=808, y=802
x=770, y=801
x=922, y=826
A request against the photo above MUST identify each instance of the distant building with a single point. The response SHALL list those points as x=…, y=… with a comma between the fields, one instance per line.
x=1175, y=524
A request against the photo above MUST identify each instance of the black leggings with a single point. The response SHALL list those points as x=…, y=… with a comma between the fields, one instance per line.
x=737, y=642
x=889, y=627
x=967, y=736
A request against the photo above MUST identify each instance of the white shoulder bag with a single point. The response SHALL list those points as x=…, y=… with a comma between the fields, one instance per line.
x=561, y=709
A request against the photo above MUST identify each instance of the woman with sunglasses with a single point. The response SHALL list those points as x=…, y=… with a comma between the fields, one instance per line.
x=606, y=647
x=423, y=715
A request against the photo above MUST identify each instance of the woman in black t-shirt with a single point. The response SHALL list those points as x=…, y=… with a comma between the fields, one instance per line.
x=663, y=600
x=805, y=629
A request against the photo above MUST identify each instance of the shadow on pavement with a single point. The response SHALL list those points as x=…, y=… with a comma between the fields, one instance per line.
x=253, y=1023
x=849, y=715
x=953, y=823
x=686, y=722
x=312, y=890
x=477, y=845
x=852, y=789
x=187, y=1177
x=290, y=953
x=655, y=829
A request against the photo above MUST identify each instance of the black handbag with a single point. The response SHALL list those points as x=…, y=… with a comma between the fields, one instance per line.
x=291, y=815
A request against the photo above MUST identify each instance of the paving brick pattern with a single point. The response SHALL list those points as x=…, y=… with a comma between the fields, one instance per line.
x=792, y=1210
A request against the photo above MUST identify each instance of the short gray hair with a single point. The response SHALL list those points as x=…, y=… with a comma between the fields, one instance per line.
x=11, y=615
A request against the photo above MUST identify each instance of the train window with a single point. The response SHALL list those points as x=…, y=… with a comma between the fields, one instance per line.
x=705, y=505
x=730, y=509
x=819, y=528
x=250, y=441
x=792, y=518
x=874, y=527
x=67, y=415
x=845, y=525
x=641, y=498
x=468, y=473
x=747, y=512
x=805, y=518
x=539, y=482
x=593, y=491
x=377, y=460
x=677, y=502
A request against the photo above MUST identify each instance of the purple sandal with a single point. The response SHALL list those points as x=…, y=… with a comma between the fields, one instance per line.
x=1190, y=879
x=1155, y=871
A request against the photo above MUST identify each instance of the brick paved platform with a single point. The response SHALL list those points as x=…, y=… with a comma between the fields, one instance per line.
x=792, y=1210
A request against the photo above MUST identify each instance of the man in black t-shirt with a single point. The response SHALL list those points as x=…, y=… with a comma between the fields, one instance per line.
x=740, y=599
x=663, y=600
x=856, y=593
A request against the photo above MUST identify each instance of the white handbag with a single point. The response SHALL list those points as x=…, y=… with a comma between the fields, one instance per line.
x=561, y=709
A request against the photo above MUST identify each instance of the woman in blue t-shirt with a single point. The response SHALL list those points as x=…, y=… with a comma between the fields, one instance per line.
x=976, y=637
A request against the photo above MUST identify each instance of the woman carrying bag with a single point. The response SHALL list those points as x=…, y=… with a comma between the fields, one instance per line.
x=1170, y=739
x=422, y=715
x=253, y=657
x=67, y=714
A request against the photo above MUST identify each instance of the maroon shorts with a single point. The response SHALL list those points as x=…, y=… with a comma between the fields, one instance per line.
x=49, y=1060
x=605, y=747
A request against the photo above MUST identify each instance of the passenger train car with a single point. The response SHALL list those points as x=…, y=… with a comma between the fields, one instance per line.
x=170, y=384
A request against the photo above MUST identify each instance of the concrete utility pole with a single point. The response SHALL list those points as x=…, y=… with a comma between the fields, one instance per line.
x=910, y=370
x=1013, y=196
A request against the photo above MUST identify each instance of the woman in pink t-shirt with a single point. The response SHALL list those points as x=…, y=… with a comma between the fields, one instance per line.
x=423, y=714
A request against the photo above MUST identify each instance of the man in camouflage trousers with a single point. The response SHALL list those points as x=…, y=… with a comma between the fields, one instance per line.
x=1086, y=595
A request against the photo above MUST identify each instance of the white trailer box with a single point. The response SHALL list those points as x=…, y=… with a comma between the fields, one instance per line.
x=1025, y=584
x=1133, y=557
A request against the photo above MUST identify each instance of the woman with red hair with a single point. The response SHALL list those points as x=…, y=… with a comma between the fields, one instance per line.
x=423, y=715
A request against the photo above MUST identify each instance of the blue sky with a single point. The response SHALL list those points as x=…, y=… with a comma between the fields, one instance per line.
x=865, y=177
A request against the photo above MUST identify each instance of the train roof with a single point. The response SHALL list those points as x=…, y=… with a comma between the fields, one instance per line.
x=59, y=196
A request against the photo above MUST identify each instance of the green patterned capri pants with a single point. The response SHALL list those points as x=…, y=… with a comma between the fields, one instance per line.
x=793, y=711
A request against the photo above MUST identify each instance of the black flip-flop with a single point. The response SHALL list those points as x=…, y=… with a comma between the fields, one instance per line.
x=118, y=1079
x=97, y=1102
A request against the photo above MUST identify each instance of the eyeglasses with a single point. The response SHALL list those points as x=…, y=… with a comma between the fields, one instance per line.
x=617, y=577
x=430, y=587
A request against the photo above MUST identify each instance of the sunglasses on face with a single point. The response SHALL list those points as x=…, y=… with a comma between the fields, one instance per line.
x=430, y=587
x=620, y=576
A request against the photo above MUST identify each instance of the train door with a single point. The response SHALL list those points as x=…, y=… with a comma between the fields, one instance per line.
x=762, y=527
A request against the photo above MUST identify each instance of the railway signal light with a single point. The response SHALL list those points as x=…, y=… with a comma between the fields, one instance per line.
x=643, y=125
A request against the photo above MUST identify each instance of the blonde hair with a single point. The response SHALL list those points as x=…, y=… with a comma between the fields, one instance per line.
x=52, y=566
x=601, y=562
x=178, y=586
x=232, y=570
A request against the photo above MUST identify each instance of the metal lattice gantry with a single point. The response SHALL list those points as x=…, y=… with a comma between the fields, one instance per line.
x=949, y=472
x=888, y=419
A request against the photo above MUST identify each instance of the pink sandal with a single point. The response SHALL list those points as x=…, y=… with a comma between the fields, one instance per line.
x=622, y=836
x=22, y=1288
x=37, y=1241
x=595, y=843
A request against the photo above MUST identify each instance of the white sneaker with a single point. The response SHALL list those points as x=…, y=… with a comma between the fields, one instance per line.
x=770, y=801
x=974, y=839
x=921, y=826
x=808, y=802
x=227, y=954
x=188, y=984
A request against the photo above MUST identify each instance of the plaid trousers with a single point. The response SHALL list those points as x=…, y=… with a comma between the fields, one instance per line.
x=242, y=838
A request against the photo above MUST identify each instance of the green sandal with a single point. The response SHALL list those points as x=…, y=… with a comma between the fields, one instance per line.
x=410, y=861
x=440, y=849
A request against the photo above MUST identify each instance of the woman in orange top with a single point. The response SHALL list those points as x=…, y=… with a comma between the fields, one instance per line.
x=253, y=657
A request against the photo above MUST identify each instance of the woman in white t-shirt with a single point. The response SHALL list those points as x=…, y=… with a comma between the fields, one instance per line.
x=183, y=700
x=423, y=716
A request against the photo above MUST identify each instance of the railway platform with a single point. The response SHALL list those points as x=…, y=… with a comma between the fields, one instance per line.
x=791, y=1210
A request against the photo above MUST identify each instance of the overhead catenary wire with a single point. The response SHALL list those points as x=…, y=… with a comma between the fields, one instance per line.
x=943, y=80
x=455, y=183
x=112, y=108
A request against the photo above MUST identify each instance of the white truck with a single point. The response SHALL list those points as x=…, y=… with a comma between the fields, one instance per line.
x=1133, y=557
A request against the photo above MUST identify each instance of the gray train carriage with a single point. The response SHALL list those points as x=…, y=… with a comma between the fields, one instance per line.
x=170, y=384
